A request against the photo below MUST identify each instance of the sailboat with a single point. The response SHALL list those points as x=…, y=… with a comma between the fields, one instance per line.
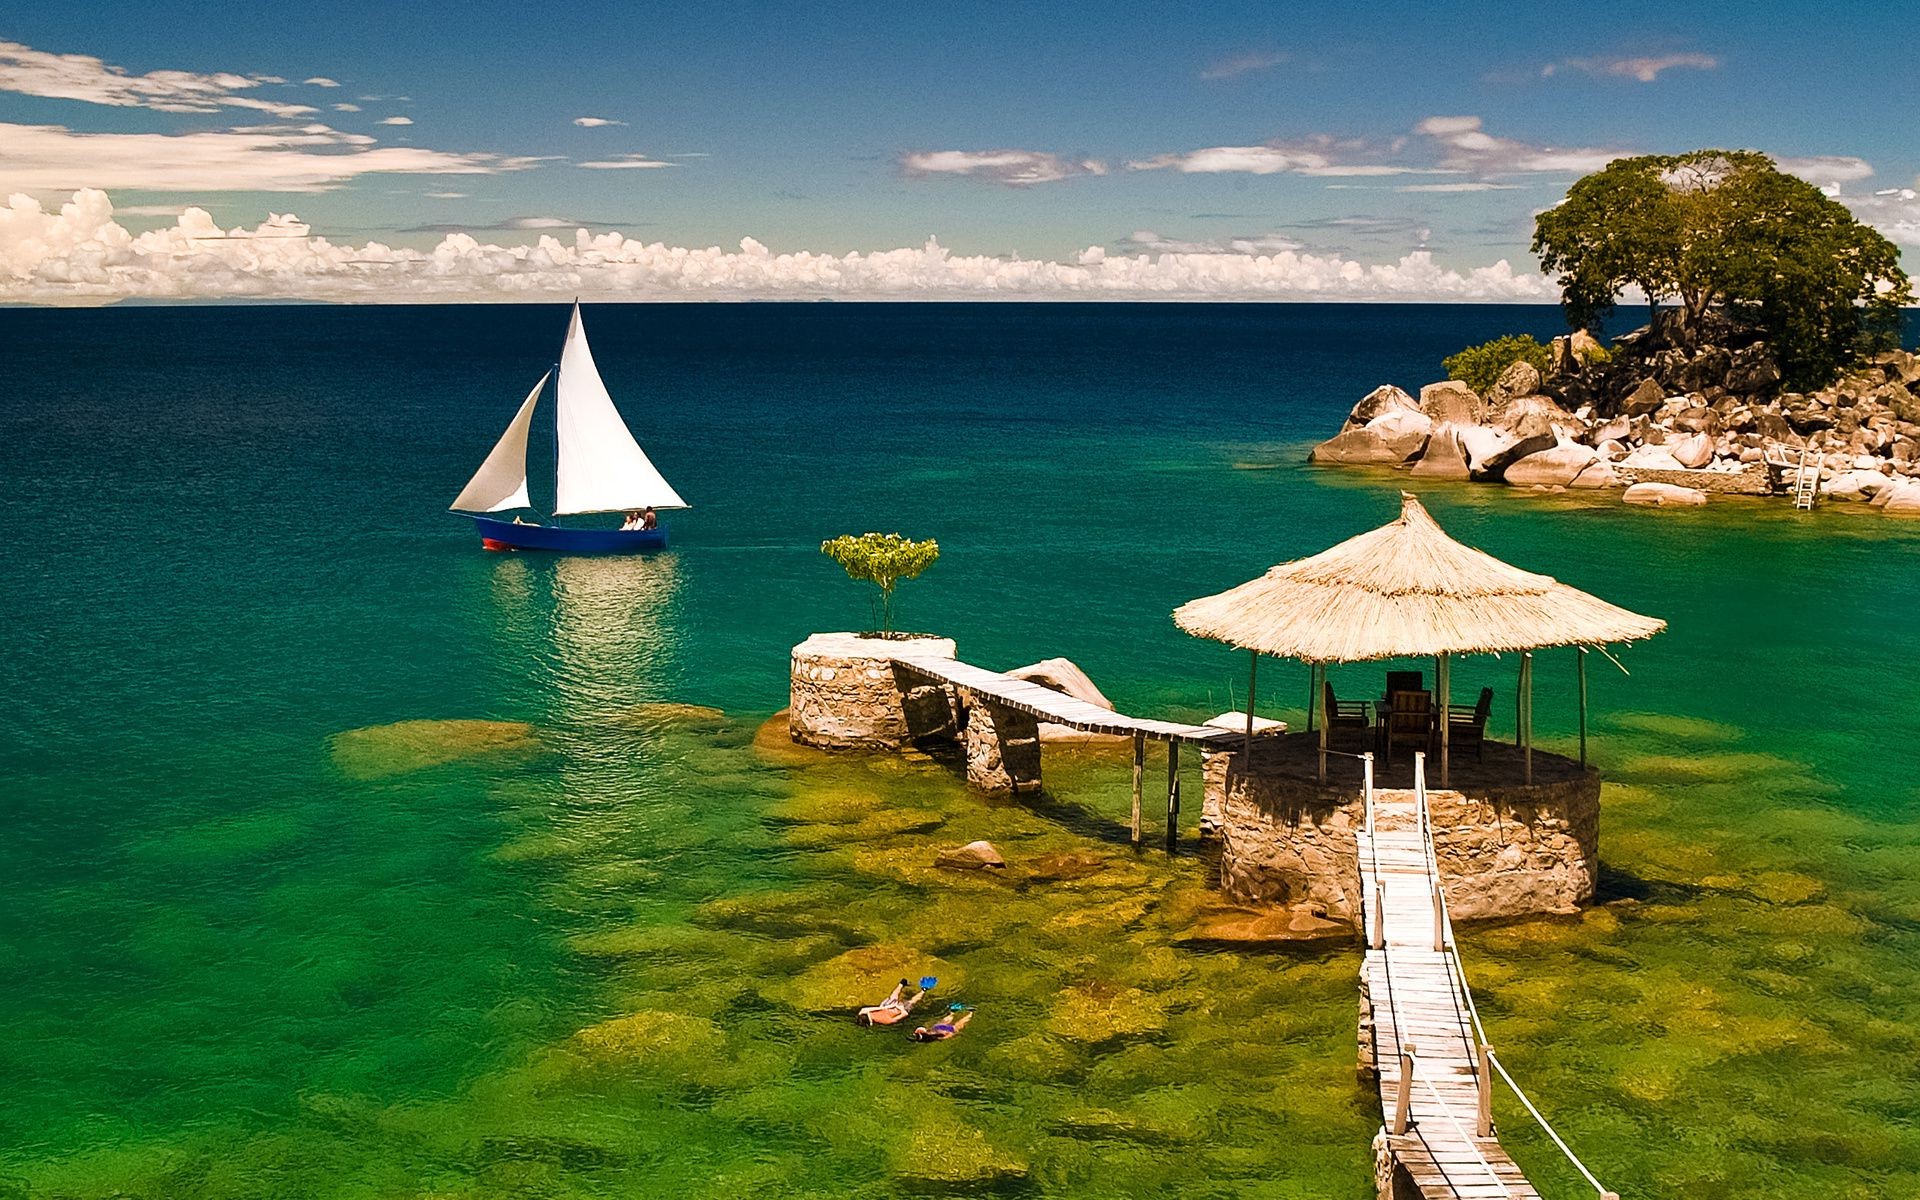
x=599, y=467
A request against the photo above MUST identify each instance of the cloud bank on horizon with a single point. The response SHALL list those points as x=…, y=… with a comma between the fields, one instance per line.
x=1356, y=213
x=80, y=254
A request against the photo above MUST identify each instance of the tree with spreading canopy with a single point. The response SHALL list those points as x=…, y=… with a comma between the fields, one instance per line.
x=1727, y=231
x=882, y=559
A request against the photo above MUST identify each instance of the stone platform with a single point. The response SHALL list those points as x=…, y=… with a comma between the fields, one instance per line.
x=1506, y=847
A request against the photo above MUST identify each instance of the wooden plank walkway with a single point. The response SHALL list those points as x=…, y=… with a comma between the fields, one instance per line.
x=1411, y=991
x=1058, y=708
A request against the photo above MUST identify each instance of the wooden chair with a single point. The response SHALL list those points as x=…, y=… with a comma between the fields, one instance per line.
x=1344, y=714
x=1405, y=681
x=1466, y=729
x=1409, y=721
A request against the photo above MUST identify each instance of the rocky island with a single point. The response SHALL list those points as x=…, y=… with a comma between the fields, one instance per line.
x=1670, y=414
x=1770, y=363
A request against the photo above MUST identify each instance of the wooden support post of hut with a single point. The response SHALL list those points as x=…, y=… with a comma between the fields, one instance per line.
x=1523, y=725
x=1139, y=769
x=1581, y=660
x=1173, y=792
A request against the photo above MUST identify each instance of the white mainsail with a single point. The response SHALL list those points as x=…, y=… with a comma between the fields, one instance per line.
x=601, y=469
x=501, y=481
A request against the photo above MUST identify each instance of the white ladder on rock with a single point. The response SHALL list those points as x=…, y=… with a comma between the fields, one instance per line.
x=1806, y=480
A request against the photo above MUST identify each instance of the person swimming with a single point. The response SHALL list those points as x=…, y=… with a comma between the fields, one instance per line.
x=893, y=1009
x=957, y=1017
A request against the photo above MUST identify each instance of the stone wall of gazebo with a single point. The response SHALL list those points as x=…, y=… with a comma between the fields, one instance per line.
x=1505, y=848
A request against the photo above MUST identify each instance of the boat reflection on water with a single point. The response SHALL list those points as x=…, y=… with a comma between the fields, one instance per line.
x=598, y=637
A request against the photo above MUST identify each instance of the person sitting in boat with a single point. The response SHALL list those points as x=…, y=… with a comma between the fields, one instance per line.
x=649, y=519
x=957, y=1017
x=632, y=522
x=893, y=1009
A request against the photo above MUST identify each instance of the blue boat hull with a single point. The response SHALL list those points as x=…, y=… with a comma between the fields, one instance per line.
x=505, y=535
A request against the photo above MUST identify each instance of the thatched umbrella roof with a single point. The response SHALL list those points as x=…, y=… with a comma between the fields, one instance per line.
x=1405, y=590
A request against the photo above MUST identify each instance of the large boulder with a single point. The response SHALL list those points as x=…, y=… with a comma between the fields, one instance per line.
x=1599, y=474
x=1494, y=465
x=1452, y=402
x=1902, y=500
x=1692, y=452
x=1379, y=402
x=1558, y=466
x=1653, y=458
x=1482, y=444
x=1519, y=379
x=1366, y=446
x=1062, y=675
x=1646, y=398
x=1663, y=495
x=1530, y=415
x=1445, y=457
x=1584, y=347
x=1856, y=484
x=1752, y=370
x=1617, y=430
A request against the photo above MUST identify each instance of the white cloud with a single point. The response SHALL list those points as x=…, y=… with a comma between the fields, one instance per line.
x=1895, y=212
x=626, y=162
x=1466, y=146
x=321, y=81
x=80, y=254
x=394, y=121
x=1645, y=68
x=346, y=108
x=595, y=122
x=1265, y=243
x=1015, y=168
x=263, y=158
x=1320, y=154
x=1241, y=64
x=1478, y=185
x=1830, y=170
x=85, y=78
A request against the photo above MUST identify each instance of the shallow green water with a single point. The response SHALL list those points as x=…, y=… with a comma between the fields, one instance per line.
x=264, y=936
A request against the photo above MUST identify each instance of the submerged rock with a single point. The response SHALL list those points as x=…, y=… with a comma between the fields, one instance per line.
x=1664, y=495
x=380, y=750
x=970, y=857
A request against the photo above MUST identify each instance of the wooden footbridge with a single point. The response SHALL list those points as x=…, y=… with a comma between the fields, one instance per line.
x=1041, y=703
x=1430, y=1054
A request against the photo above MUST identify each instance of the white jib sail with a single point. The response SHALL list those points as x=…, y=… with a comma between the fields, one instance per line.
x=501, y=481
x=602, y=469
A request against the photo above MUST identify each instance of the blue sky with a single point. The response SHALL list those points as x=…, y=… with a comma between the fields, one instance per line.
x=1356, y=135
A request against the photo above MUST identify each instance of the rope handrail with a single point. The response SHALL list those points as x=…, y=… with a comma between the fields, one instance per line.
x=1446, y=1110
x=1542, y=1121
x=1458, y=975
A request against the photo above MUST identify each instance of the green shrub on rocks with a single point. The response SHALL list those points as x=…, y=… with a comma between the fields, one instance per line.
x=1479, y=367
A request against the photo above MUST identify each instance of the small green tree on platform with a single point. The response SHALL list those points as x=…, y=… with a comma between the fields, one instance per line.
x=882, y=559
x=1727, y=231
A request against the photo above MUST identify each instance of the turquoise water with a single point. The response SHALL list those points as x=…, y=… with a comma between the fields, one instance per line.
x=344, y=859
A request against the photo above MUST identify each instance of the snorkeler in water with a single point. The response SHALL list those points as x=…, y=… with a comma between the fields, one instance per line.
x=957, y=1017
x=894, y=1009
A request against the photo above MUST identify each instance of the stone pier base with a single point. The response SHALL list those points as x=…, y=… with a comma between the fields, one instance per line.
x=846, y=694
x=1003, y=747
x=1506, y=848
